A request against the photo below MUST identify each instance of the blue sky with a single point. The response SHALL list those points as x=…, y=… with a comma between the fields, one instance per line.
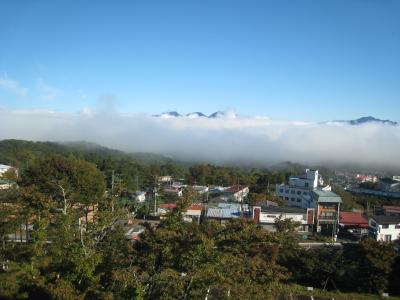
x=289, y=60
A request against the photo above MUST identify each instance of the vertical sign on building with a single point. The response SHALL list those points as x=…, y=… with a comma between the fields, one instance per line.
x=310, y=216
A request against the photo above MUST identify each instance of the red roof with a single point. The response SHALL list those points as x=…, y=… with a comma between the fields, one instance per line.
x=167, y=205
x=195, y=206
x=353, y=219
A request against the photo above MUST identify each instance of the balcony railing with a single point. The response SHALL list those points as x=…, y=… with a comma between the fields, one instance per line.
x=327, y=218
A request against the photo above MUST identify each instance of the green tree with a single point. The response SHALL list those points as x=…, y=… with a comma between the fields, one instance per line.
x=374, y=265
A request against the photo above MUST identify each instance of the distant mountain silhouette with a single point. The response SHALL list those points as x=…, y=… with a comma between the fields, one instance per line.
x=231, y=115
x=169, y=114
x=195, y=115
x=369, y=119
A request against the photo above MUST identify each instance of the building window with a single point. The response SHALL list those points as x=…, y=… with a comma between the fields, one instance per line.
x=385, y=226
x=298, y=192
x=281, y=190
x=292, y=192
x=298, y=200
x=292, y=199
x=306, y=184
x=287, y=191
x=328, y=206
x=286, y=198
x=388, y=238
x=305, y=193
x=397, y=226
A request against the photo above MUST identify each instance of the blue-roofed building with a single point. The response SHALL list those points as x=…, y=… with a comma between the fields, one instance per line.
x=226, y=211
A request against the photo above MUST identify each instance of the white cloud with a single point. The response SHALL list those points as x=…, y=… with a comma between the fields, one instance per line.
x=12, y=86
x=46, y=91
x=242, y=139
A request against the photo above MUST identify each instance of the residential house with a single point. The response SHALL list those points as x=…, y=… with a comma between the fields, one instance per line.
x=268, y=215
x=237, y=193
x=354, y=223
x=192, y=214
x=385, y=228
x=327, y=208
x=164, y=208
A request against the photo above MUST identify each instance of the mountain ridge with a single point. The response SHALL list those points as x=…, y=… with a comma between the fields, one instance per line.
x=195, y=115
x=231, y=115
x=366, y=120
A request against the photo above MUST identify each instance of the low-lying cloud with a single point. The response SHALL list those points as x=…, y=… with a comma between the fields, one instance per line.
x=241, y=139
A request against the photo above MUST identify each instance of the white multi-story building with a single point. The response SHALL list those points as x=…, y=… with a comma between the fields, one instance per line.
x=385, y=228
x=298, y=191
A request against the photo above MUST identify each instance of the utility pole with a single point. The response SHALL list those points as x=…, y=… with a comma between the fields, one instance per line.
x=112, y=191
x=112, y=182
x=155, y=198
x=155, y=201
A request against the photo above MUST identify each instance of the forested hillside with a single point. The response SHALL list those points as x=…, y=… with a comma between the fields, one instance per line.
x=139, y=170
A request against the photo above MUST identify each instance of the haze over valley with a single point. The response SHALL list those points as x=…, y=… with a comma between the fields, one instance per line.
x=224, y=137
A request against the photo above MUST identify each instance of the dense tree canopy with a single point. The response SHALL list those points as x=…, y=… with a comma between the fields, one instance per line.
x=51, y=249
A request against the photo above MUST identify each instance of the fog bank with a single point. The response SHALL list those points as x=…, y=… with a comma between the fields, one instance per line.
x=216, y=140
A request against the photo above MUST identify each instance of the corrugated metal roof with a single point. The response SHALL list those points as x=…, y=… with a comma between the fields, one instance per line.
x=226, y=210
x=327, y=196
x=223, y=213
x=386, y=220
